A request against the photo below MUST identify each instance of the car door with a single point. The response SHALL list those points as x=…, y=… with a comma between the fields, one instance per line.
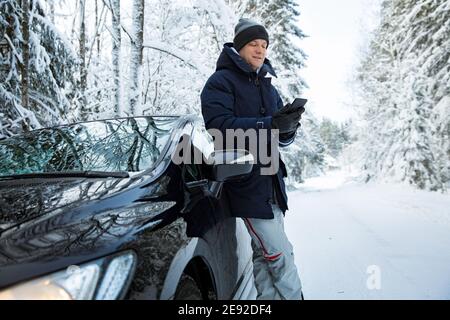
x=226, y=236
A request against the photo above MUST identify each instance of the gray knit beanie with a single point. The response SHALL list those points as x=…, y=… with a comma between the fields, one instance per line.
x=248, y=30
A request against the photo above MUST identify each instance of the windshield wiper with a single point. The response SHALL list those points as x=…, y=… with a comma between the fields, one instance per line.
x=70, y=174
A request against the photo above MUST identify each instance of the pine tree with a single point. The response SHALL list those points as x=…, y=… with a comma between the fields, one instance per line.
x=305, y=159
x=335, y=137
x=400, y=85
x=428, y=23
x=48, y=78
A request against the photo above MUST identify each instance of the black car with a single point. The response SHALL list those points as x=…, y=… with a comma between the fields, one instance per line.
x=99, y=210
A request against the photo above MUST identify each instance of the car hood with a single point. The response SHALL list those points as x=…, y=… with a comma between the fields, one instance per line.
x=26, y=200
x=51, y=225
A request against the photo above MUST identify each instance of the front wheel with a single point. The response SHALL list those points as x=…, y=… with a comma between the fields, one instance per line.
x=188, y=289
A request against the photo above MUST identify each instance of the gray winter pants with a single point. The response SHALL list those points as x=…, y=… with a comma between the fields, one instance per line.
x=276, y=277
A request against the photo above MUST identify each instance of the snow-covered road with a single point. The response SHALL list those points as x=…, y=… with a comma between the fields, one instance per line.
x=370, y=241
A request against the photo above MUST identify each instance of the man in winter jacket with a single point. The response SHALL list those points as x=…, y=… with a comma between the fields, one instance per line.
x=239, y=95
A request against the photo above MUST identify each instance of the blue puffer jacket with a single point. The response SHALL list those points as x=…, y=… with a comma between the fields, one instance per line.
x=236, y=97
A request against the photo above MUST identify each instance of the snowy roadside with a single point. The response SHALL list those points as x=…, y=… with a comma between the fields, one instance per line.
x=375, y=241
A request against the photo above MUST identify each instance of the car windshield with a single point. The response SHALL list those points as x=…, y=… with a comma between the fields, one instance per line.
x=129, y=144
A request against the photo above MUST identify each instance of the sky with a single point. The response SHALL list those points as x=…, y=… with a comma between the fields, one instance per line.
x=336, y=31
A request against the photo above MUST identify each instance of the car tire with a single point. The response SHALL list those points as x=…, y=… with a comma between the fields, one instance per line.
x=188, y=289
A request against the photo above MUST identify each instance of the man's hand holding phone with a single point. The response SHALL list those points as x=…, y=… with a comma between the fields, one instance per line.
x=287, y=119
x=297, y=106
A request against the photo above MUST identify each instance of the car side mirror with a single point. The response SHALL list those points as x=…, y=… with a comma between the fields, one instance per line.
x=226, y=165
x=231, y=164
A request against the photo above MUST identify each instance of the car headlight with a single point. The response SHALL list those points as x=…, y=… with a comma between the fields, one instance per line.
x=103, y=279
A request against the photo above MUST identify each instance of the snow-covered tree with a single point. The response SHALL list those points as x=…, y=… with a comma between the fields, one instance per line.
x=400, y=83
x=182, y=43
x=334, y=136
x=104, y=63
x=116, y=54
x=136, y=58
x=41, y=93
x=83, y=68
x=305, y=157
x=25, y=65
x=441, y=124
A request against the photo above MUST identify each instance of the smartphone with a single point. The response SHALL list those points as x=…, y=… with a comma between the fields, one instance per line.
x=296, y=106
x=299, y=103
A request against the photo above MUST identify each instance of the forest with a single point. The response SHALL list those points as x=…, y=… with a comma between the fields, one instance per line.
x=65, y=61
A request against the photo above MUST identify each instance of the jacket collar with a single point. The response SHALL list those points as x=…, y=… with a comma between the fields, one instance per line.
x=230, y=59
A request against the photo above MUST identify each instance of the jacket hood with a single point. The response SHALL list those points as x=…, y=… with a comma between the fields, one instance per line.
x=228, y=59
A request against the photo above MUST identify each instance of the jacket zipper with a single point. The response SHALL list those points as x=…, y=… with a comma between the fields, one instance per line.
x=262, y=110
x=274, y=188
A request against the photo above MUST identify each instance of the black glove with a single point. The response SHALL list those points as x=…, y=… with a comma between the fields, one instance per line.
x=289, y=108
x=286, y=119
